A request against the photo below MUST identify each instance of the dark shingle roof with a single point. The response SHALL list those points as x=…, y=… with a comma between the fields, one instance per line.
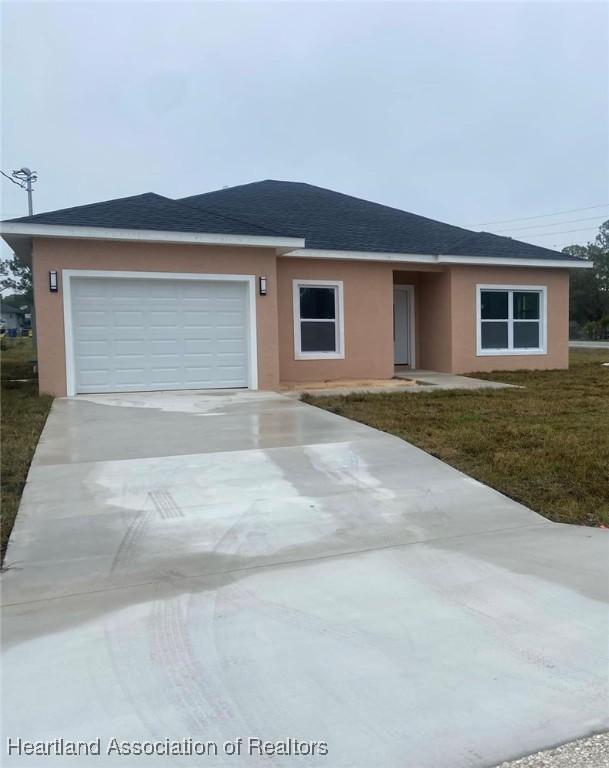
x=148, y=211
x=333, y=221
x=326, y=219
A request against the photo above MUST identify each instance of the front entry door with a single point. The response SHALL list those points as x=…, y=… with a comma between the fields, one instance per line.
x=402, y=331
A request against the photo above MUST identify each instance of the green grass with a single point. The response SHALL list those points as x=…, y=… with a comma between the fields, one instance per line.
x=24, y=413
x=546, y=446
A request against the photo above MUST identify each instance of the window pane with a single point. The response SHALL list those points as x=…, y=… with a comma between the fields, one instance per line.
x=494, y=335
x=494, y=305
x=526, y=335
x=318, y=337
x=317, y=303
x=526, y=305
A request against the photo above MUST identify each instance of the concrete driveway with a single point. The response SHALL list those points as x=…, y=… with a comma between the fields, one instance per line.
x=235, y=565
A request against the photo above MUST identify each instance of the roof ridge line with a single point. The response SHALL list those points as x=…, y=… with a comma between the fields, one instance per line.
x=86, y=205
x=368, y=202
x=220, y=215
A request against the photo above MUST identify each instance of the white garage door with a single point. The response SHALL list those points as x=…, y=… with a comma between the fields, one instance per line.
x=142, y=334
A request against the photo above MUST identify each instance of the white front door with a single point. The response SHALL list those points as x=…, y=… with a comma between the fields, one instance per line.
x=146, y=334
x=402, y=330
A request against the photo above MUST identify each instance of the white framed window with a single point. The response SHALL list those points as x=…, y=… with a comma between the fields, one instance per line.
x=511, y=320
x=318, y=319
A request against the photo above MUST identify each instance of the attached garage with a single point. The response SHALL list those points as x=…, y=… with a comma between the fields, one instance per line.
x=157, y=331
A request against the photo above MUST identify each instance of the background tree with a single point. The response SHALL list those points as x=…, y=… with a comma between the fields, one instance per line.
x=17, y=278
x=589, y=288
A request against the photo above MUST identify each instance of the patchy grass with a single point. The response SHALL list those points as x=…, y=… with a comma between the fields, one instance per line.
x=24, y=413
x=546, y=446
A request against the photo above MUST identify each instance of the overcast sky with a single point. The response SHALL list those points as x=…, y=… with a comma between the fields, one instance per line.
x=465, y=112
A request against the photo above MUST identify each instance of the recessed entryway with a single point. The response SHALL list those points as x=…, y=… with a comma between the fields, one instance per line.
x=403, y=325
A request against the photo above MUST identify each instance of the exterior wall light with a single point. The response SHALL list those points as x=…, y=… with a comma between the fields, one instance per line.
x=53, y=281
x=262, y=286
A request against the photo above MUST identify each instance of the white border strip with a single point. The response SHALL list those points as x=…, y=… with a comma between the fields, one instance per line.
x=66, y=288
x=312, y=253
x=543, y=316
x=149, y=235
x=423, y=258
x=498, y=261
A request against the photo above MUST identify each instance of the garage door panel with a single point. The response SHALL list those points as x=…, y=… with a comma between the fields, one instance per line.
x=229, y=333
x=231, y=345
x=197, y=305
x=193, y=335
x=162, y=346
x=138, y=333
x=92, y=289
x=89, y=318
x=128, y=377
x=195, y=376
x=94, y=347
x=157, y=318
x=95, y=377
x=131, y=346
x=165, y=361
x=200, y=359
x=229, y=319
x=196, y=318
x=162, y=333
x=128, y=318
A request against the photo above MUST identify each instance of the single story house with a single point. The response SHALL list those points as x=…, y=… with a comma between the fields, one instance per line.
x=11, y=318
x=275, y=281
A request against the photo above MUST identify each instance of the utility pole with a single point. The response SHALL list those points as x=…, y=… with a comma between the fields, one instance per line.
x=25, y=179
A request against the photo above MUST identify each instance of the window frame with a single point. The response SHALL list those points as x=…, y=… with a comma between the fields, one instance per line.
x=511, y=350
x=337, y=286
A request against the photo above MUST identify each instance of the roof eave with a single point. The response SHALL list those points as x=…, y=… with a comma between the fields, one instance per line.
x=16, y=231
x=516, y=261
x=424, y=258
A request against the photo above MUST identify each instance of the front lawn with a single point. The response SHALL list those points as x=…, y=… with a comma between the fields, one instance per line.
x=547, y=445
x=23, y=416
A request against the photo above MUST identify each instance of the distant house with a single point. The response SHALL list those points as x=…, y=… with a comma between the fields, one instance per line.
x=12, y=317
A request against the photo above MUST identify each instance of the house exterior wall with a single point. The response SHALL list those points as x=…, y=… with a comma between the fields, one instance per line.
x=62, y=254
x=463, y=282
x=435, y=318
x=445, y=307
x=368, y=319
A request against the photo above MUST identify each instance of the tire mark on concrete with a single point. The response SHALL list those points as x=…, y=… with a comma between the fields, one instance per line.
x=130, y=540
x=165, y=504
x=199, y=700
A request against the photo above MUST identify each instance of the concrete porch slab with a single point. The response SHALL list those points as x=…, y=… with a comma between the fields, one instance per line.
x=428, y=380
x=414, y=380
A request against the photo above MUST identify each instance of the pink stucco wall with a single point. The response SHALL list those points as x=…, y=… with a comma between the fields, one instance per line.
x=368, y=312
x=463, y=281
x=145, y=257
x=445, y=302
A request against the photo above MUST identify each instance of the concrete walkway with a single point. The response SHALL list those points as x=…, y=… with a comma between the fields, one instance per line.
x=589, y=344
x=233, y=565
x=430, y=380
x=415, y=380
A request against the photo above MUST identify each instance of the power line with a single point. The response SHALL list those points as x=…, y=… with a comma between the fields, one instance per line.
x=542, y=215
x=564, y=232
x=10, y=178
x=556, y=224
